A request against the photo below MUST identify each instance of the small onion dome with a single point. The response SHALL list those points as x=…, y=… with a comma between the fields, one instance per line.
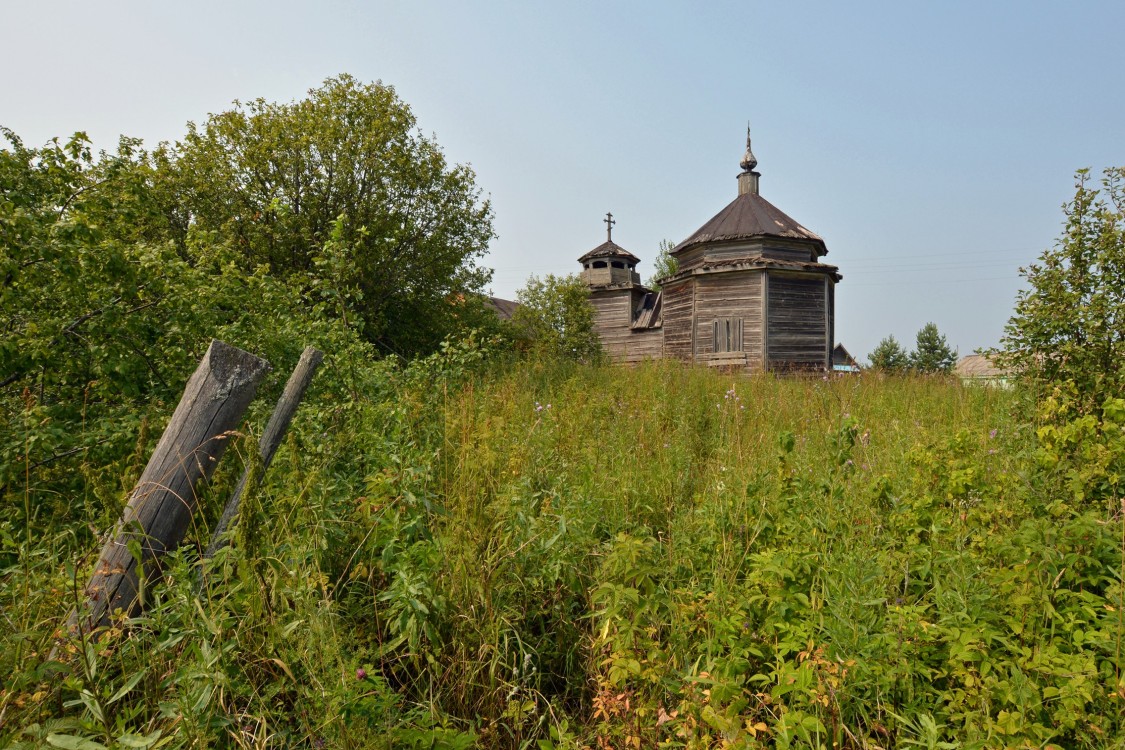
x=749, y=161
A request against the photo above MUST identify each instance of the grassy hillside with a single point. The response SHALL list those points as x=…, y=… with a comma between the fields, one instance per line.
x=549, y=555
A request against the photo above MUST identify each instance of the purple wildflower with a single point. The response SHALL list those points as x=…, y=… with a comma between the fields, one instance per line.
x=361, y=674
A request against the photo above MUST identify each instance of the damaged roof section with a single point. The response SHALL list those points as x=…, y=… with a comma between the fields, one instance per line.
x=647, y=315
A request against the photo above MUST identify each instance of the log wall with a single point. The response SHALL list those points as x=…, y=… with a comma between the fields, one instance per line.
x=679, y=304
x=799, y=328
x=729, y=295
x=613, y=314
x=644, y=344
x=803, y=254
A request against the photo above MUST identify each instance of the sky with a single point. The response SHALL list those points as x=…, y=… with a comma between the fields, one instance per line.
x=931, y=145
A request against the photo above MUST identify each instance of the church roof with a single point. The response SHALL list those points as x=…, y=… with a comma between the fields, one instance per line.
x=748, y=216
x=609, y=249
x=504, y=308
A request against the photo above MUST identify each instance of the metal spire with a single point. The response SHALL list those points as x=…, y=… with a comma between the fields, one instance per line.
x=749, y=161
x=609, y=222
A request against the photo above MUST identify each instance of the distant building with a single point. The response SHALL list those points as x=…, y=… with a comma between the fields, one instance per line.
x=980, y=370
x=750, y=292
x=843, y=361
x=504, y=308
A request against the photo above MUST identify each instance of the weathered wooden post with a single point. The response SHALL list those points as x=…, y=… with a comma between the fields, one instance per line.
x=160, y=507
x=271, y=438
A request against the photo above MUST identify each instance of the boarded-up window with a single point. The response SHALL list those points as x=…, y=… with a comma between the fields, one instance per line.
x=727, y=335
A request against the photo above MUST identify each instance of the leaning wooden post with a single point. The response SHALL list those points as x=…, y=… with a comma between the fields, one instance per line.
x=160, y=507
x=275, y=430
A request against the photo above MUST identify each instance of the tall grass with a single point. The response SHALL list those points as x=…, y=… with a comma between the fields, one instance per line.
x=552, y=555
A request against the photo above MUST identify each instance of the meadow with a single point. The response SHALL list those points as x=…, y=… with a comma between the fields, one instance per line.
x=472, y=552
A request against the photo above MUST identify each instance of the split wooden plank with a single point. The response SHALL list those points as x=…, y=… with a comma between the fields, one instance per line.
x=161, y=504
x=271, y=438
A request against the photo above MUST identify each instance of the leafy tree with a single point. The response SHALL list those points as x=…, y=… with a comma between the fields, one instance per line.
x=556, y=318
x=664, y=266
x=931, y=352
x=102, y=319
x=278, y=181
x=889, y=356
x=1069, y=325
x=85, y=305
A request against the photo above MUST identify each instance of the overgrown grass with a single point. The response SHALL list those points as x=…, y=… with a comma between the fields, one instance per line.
x=552, y=555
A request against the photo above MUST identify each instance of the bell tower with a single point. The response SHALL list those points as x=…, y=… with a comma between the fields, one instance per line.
x=609, y=264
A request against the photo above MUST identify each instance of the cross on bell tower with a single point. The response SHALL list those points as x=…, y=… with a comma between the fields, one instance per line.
x=609, y=264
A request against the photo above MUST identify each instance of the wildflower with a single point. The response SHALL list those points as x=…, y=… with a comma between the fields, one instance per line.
x=361, y=674
x=538, y=407
x=992, y=434
x=865, y=438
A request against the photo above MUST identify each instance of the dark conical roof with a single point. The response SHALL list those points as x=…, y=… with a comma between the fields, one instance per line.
x=747, y=216
x=609, y=249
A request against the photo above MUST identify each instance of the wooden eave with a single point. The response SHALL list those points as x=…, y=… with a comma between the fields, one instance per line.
x=756, y=264
x=609, y=249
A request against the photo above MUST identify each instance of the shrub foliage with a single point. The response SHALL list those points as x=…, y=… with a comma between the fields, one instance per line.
x=1067, y=326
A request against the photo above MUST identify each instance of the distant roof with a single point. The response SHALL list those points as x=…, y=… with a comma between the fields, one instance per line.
x=978, y=366
x=841, y=356
x=504, y=308
x=751, y=215
x=609, y=249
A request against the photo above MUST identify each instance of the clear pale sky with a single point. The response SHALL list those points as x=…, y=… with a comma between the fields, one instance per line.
x=931, y=144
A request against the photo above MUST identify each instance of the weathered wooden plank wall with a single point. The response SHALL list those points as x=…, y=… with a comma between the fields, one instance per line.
x=729, y=295
x=613, y=316
x=644, y=344
x=803, y=254
x=678, y=308
x=797, y=326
